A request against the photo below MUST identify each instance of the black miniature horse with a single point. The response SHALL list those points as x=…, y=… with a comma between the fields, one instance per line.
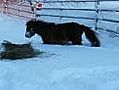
x=63, y=33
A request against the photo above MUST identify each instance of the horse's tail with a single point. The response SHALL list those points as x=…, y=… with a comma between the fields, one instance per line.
x=91, y=36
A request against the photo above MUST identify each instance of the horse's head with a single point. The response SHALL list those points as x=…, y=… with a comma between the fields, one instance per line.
x=30, y=29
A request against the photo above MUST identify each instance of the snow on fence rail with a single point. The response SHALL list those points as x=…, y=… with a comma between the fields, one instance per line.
x=23, y=11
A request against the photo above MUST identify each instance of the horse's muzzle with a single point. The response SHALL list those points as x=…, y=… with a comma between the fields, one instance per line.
x=28, y=35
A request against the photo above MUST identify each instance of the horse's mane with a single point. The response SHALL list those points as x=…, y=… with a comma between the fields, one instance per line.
x=40, y=22
x=84, y=26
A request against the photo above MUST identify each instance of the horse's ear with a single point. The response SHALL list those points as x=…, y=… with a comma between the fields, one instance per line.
x=90, y=27
x=26, y=23
x=33, y=19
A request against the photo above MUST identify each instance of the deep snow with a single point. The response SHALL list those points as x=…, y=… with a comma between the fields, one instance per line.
x=63, y=68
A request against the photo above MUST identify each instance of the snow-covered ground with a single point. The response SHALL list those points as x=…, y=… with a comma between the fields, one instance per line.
x=63, y=67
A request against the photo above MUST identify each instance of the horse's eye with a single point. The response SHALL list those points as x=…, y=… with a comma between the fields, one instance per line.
x=31, y=29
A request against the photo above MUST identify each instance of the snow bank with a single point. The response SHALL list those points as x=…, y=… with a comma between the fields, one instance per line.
x=68, y=68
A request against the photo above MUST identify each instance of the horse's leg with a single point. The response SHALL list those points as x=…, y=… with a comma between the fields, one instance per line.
x=76, y=38
x=76, y=41
x=45, y=40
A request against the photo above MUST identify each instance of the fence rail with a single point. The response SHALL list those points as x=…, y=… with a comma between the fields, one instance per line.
x=38, y=15
x=106, y=10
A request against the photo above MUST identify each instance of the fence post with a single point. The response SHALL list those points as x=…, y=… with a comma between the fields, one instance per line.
x=5, y=6
x=97, y=3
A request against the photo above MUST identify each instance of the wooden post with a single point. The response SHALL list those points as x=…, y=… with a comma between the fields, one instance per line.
x=32, y=8
x=5, y=6
x=97, y=3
